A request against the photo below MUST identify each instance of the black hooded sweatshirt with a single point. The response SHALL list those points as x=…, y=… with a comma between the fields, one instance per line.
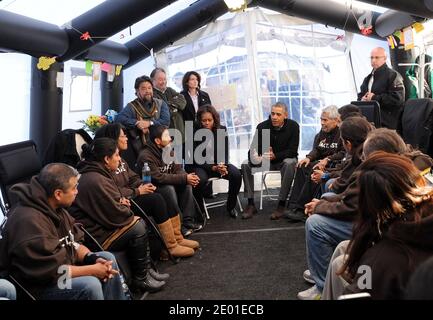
x=37, y=239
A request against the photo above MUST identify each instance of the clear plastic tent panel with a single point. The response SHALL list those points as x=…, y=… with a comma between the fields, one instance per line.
x=251, y=62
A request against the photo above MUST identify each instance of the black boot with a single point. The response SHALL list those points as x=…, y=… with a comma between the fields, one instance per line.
x=139, y=257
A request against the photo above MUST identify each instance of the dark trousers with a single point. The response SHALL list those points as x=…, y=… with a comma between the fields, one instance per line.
x=234, y=177
x=180, y=199
x=154, y=205
x=304, y=189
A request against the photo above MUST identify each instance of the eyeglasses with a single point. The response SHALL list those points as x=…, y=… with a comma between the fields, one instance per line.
x=376, y=57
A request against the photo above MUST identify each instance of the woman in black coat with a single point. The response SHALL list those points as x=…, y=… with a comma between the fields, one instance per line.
x=195, y=98
x=213, y=153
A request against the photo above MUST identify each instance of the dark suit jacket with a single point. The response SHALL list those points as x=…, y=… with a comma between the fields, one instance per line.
x=189, y=111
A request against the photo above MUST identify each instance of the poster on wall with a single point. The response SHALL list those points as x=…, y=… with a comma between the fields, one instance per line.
x=223, y=97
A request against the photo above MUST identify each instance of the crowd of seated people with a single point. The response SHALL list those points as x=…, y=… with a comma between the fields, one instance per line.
x=330, y=190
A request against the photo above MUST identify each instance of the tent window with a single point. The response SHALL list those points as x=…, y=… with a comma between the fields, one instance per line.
x=80, y=91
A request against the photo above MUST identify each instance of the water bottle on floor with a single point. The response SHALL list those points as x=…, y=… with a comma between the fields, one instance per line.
x=145, y=174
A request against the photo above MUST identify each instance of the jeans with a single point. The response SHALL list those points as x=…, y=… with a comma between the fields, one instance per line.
x=87, y=287
x=7, y=290
x=322, y=235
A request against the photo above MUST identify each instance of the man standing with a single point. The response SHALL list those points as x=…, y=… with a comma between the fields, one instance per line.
x=175, y=101
x=41, y=245
x=277, y=141
x=385, y=86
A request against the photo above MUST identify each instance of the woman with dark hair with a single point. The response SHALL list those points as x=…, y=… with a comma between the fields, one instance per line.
x=131, y=186
x=195, y=97
x=215, y=159
x=394, y=232
x=107, y=215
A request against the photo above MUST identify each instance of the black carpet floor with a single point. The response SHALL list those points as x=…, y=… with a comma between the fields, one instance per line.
x=255, y=259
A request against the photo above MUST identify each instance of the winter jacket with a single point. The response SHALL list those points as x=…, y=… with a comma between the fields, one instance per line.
x=176, y=104
x=37, y=239
x=389, y=91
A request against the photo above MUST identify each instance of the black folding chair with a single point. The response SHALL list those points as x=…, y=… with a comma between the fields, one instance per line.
x=19, y=162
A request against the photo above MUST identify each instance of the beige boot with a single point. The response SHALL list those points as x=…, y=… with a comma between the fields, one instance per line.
x=175, y=221
x=176, y=250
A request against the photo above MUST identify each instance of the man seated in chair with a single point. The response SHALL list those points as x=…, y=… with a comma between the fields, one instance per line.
x=171, y=180
x=41, y=245
x=275, y=147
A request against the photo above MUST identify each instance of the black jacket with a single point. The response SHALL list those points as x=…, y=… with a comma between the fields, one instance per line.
x=62, y=147
x=189, y=111
x=210, y=152
x=388, y=89
x=284, y=141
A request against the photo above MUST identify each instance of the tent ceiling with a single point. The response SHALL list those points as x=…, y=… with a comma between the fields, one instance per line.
x=334, y=13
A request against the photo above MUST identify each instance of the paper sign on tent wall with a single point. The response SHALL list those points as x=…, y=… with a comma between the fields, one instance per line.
x=96, y=71
x=223, y=97
x=408, y=38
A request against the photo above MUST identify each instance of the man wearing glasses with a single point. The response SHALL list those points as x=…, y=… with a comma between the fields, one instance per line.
x=385, y=86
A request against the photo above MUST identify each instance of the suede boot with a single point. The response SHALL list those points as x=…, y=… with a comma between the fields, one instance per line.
x=175, y=222
x=168, y=234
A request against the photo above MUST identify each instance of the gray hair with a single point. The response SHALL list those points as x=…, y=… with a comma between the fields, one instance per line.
x=332, y=111
x=279, y=104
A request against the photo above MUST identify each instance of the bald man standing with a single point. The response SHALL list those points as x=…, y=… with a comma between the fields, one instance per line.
x=385, y=86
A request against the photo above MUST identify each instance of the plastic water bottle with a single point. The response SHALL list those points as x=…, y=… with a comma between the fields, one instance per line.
x=145, y=174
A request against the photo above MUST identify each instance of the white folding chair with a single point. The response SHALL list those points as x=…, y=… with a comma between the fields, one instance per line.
x=219, y=203
x=263, y=184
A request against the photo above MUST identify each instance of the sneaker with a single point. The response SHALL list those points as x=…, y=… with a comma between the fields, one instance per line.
x=233, y=213
x=193, y=226
x=310, y=294
x=186, y=231
x=307, y=277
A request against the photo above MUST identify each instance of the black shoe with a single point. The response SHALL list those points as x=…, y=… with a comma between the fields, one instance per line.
x=158, y=276
x=296, y=215
x=233, y=213
x=147, y=284
x=193, y=226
